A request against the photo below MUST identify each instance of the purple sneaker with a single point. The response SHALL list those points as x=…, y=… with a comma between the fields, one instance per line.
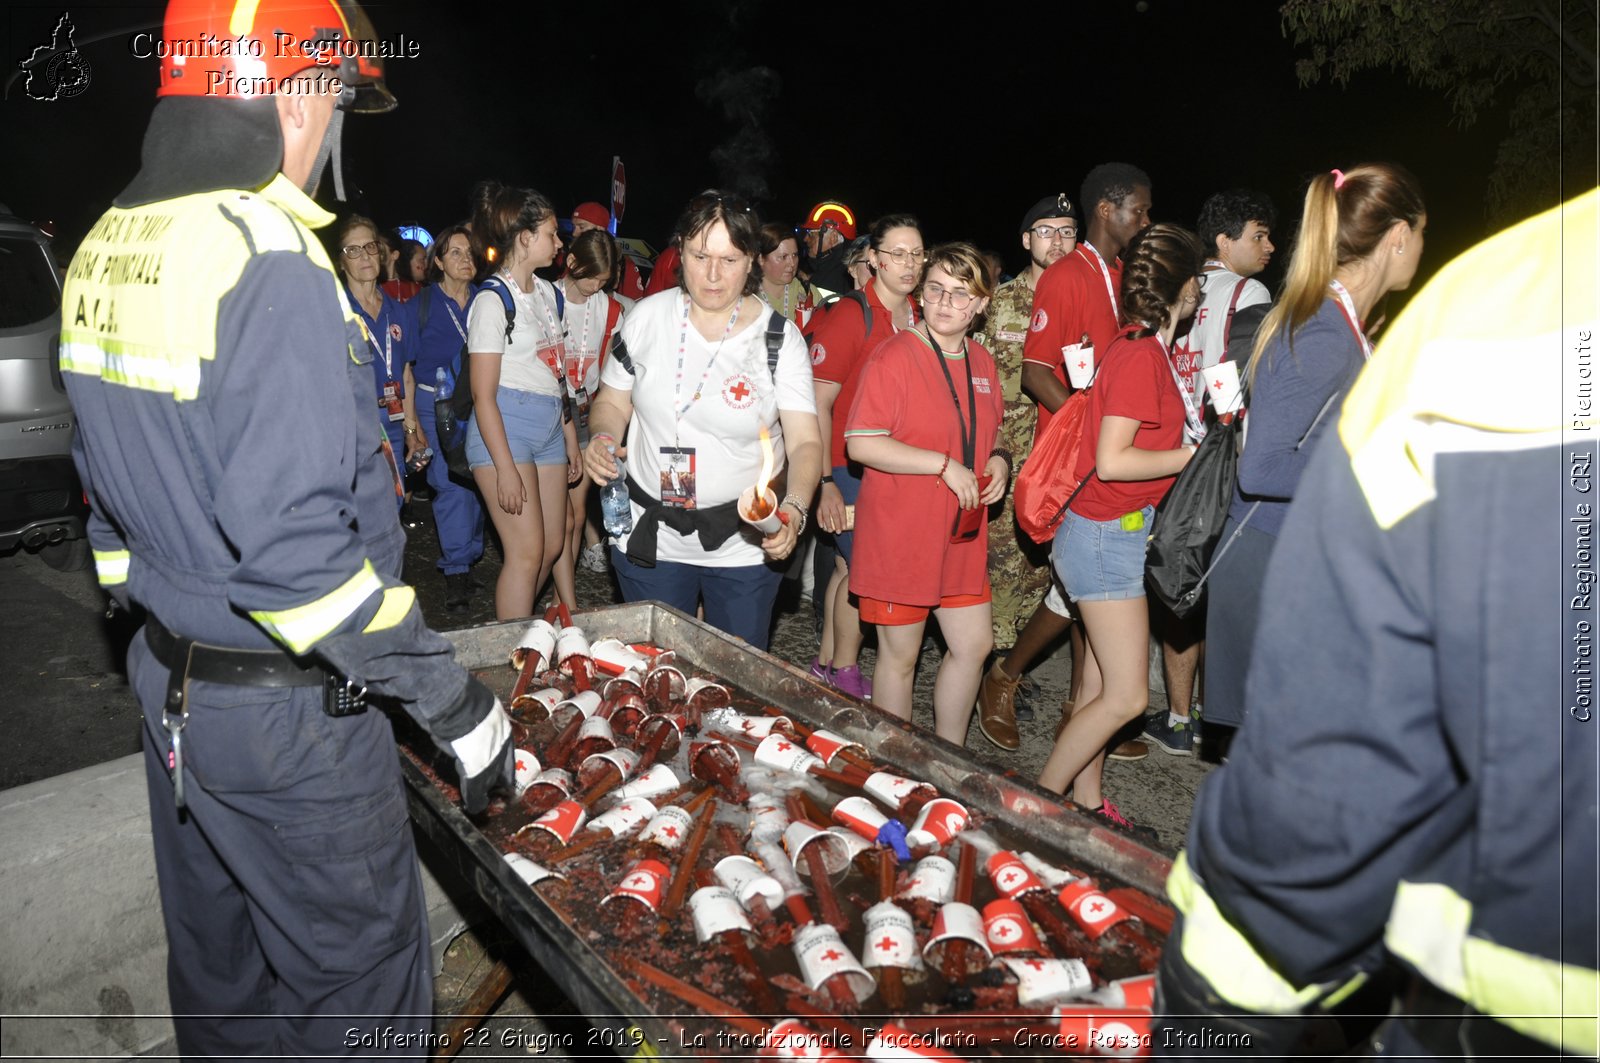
x=821, y=671
x=850, y=680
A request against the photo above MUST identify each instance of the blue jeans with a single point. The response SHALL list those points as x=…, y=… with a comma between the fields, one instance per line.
x=1100, y=560
x=737, y=600
x=457, y=514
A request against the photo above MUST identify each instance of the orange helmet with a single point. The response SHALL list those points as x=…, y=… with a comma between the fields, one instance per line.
x=244, y=49
x=831, y=215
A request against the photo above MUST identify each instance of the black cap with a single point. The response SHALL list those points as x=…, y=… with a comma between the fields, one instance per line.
x=1056, y=206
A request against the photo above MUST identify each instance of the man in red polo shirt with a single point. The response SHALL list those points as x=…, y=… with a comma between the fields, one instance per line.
x=1076, y=303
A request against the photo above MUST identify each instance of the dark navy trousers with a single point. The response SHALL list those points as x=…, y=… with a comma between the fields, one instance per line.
x=293, y=903
x=457, y=512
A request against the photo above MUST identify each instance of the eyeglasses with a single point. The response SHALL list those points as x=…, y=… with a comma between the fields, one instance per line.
x=1055, y=232
x=934, y=293
x=357, y=250
x=900, y=258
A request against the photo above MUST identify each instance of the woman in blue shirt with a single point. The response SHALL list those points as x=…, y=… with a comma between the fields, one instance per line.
x=1360, y=238
x=441, y=310
x=389, y=327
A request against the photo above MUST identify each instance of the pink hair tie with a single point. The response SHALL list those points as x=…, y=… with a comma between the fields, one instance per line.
x=1338, y=179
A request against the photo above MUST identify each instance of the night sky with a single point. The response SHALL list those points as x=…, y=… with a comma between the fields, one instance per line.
x=964, y=117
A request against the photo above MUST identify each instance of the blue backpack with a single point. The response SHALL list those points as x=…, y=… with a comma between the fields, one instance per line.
x=451, y=412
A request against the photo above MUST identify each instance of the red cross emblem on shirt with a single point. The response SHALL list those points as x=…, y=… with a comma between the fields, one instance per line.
x=884, y=944
x=833, y=955
x=739, y=391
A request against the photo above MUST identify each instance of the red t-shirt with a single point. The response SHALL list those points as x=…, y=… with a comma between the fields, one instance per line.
x=1136, y=382
x=902, y=551
x=1071, y=299
x=839, y=348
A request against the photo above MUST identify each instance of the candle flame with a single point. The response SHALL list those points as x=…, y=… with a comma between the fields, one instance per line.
x=766, y=463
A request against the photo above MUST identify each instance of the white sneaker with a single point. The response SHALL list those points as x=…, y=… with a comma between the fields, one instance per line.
x=593, y=558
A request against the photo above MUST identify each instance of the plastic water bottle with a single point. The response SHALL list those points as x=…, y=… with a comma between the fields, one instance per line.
x=614, y=510
x=444, y=412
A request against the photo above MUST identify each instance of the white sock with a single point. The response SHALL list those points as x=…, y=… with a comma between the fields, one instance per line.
x=1174, y=720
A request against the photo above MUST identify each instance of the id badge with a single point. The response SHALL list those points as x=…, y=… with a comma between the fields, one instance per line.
x=677, y=477
x=580, y=402
x=390, y=400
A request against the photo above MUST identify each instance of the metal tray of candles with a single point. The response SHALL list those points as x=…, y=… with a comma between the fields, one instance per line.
x=562, y=921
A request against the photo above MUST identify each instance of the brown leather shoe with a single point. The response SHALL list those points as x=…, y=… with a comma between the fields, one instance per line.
x=997, y=713
x=1132, y=749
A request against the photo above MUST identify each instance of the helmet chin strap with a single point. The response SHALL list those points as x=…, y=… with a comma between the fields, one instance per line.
x=332, y=144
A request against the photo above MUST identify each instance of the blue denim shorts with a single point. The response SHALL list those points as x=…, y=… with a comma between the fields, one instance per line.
x=533, y=430
x=1098, y=561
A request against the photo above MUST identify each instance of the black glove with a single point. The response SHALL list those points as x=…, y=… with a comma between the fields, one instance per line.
x=484, y=755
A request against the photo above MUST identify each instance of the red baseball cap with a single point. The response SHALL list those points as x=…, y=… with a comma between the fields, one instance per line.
x=593, y=213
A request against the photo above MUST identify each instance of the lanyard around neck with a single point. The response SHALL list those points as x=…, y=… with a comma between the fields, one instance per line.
x=969, y=431
x=1105, y=275
x=1347, y=307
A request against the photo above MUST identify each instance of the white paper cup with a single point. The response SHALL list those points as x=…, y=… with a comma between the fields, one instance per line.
x=1093, y=911
x=1007, y=929
x=715, y=910
x=549, y=697
x=668, y=828
x=538, y=638
x=748, y=880
x=624, y=760
x=828, y=745
x=784, y=753
x=645, y=881
x=765, y=525
x=560, y=778
x=528, y=871
x=596, y=727
x=570, y=642
x=624, y=817
x=527, y=768
x=890, y=789
x=1052, y=877
x=1222, y=386
x=955, y=921
x=585, y=701
x=860, y=816
x=938, y=821
x=768, y=818
x=890, y=938
x=822, y=954
x=933, y=878
x=659, y=780
x=614, y=657
x=1043, y=982
x=854, y=844
x=1010, y=875
x=800, y=836
x=1079, y=360
x=561, y=821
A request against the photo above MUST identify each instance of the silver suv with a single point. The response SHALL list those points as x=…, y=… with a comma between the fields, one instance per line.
x=42, y=507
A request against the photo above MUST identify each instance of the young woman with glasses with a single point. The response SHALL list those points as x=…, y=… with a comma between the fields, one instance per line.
x=389, y=333
x=840, y=344
x=1132, y=451
x=522, y=447
x=923, y=425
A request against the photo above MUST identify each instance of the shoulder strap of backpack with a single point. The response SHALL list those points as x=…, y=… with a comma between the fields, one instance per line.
x=860, y=299
x=424, y=302
x=499, y=287
x=775, y=323
x=619, y=351
x=1227, y=324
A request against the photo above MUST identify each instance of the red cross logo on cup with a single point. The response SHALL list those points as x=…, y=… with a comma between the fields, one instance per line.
x=833, y=955
x=884, y=944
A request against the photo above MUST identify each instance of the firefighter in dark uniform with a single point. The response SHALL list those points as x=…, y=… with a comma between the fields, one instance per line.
x=1415, y=790
x=243, y=495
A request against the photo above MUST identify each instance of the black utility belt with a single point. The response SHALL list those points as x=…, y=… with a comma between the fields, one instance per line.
x=251, y=668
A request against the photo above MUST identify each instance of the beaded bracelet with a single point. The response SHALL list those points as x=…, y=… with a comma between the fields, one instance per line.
x=943, y=467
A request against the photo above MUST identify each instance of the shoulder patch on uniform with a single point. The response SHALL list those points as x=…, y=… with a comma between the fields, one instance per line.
x=819, y=354
x=1040, y=320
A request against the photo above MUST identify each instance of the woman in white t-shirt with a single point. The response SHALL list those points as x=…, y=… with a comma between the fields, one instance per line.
x=591, y=316
x=522, y=448
x=692, y=408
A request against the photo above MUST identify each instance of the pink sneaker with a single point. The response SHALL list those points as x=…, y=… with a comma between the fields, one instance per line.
x=821, y=671
x=850, y=680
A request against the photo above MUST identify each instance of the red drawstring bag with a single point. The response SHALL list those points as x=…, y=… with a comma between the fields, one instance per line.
x=1048, y=480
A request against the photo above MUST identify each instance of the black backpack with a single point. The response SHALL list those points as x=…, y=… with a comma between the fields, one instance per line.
x=855, y=296
x=450, y=415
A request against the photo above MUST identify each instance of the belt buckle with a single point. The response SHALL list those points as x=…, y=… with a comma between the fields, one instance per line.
x=342, y=696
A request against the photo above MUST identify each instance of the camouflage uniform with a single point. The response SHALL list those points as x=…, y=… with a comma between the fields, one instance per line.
x=1019, y=568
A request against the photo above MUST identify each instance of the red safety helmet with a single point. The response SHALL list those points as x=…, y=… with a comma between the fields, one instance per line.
x=242, y=49
x=831, y=215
